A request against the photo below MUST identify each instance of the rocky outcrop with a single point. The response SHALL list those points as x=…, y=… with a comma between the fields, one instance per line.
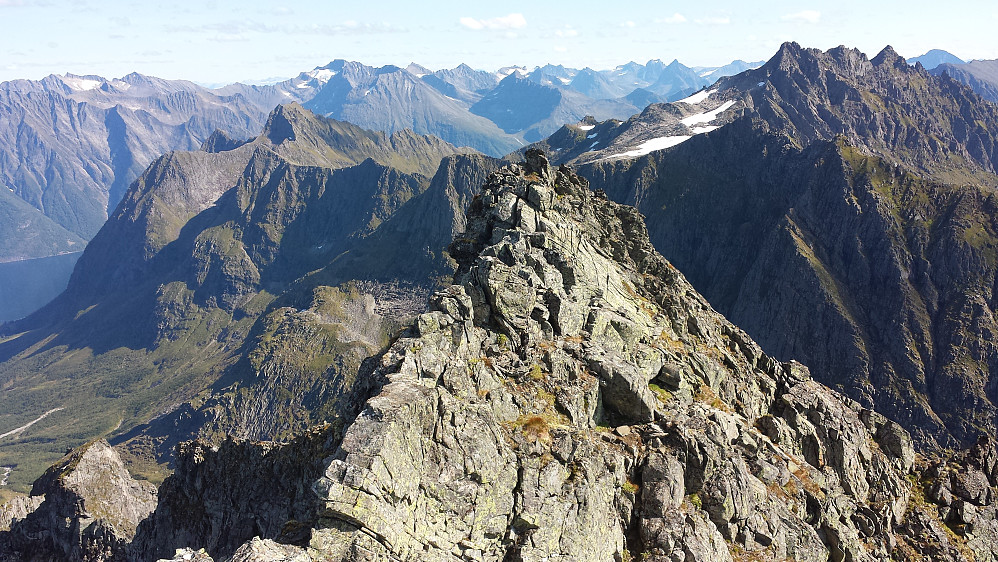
x=572, y=396
x=86, y=507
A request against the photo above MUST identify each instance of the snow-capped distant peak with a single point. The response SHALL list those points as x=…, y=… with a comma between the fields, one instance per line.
x=697, y=97
x=80, y=83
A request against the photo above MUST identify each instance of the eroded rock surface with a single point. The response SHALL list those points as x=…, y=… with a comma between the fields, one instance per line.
x=85, y=507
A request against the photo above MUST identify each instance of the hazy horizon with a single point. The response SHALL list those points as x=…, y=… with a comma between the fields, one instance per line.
x=218, y=42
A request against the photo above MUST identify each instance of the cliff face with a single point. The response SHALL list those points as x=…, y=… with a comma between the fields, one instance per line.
x=844, y=217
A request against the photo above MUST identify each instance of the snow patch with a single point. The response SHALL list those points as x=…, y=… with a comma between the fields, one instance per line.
x=322, y=74
x=586, y=127
x=706, y=73
x=696, y=123
x=507, y=70
x=591, y=136
x=80, y=84
x=761, y=84
x=697, y=97
x=708, y=116
x=701, y=129
x=651, y=145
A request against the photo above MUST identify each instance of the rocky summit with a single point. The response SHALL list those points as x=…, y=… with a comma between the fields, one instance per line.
x=569, y=396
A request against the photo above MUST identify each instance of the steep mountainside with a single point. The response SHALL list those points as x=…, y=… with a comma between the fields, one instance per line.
x=842, y=211
x=980, y=75
x=71, y=145
x=198, y=297
x=569, y=396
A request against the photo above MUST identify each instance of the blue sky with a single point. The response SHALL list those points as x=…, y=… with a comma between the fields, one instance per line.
x=222, y=41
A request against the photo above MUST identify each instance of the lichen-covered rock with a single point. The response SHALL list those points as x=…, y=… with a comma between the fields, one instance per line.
x=18, y=508
x=188, y=555
x=956, y=508
x=266, y=550
x=90, y=510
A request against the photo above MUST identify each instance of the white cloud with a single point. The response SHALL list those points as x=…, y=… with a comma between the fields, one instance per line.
x=512, y=21
x=628, y=24
x=567, y=32
x=561, y=49
x=806, y=16
x=725, y=20
x=674, y=18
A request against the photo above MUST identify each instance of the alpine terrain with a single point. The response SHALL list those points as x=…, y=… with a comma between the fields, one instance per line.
x=332, y=343
x=839, y=209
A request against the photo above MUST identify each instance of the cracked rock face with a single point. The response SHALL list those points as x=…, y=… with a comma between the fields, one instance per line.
x=85, y=507
x=572, y=397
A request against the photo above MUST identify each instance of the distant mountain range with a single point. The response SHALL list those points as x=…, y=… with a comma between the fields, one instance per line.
x=980, y=75
x=70, y=145
x=934, y=58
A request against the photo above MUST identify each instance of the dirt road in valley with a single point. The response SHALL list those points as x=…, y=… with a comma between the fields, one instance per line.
x=29, y=424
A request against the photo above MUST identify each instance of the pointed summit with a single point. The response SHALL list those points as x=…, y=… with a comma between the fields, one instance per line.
x=787, y=57
x=280, y=125
x=889, y=57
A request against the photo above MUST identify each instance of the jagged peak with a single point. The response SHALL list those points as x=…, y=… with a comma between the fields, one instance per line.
x=281, y=124
x=888, y=56
x=788, y=57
